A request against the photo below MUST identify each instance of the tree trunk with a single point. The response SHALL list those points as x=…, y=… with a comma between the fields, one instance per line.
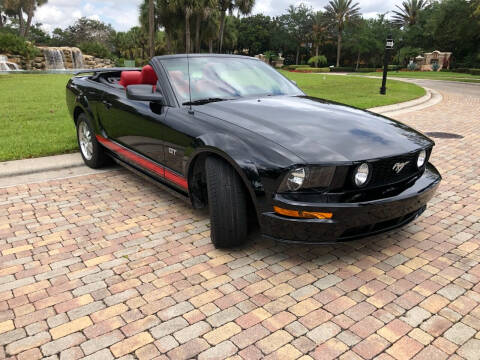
x=21, y=25
x=151, y=28
x=1, y=20
x=358, y=60
x=316, y=55
x=197, y=32
x=222, y=28
x=298, y=54
x=339, y=47
x=210, y=46
x=187, y=30
x=29, y=21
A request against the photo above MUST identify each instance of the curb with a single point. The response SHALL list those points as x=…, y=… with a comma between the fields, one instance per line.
x=432, y=97
x=41, y=164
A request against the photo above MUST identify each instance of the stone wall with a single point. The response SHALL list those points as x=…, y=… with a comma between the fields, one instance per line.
x=72, y=59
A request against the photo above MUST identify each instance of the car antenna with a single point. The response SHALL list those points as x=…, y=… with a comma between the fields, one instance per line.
x=189, y=88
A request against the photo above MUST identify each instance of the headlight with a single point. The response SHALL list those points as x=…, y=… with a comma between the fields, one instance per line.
x=361, y=174
x=422, y=156
x=313, y=177
x=295, y=179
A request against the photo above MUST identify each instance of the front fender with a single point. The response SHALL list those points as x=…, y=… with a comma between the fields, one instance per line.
x=259, y=163
x=236, y=152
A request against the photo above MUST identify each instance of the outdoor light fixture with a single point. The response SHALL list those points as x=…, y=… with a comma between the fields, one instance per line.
x=388, y=46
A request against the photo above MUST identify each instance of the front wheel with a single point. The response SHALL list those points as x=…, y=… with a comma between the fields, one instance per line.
x=228, y=204
x=92, y=152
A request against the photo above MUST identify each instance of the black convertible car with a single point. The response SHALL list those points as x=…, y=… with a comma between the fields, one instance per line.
x=231, y=133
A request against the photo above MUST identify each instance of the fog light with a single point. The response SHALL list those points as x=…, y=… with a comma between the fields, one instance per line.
x=422, y=156
x=361, y=174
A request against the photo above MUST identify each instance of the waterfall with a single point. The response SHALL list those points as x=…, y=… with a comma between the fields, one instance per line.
x=77, y=58
x=5, y=65
x=53, y=59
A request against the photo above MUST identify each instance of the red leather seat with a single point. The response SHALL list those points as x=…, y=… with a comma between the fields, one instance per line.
x=148, y=75
x=130, y=78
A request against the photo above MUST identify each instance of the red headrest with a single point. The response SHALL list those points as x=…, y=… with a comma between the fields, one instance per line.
x=130, y=78
x=148, y=75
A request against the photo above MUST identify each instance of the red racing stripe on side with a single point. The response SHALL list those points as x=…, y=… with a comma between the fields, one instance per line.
x=145, y=163
x=179, y=180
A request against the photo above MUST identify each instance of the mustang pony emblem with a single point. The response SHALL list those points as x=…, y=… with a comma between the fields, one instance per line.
x=399, y=166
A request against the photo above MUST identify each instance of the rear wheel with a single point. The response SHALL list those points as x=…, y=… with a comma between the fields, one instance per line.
x=228, y=204
x=92, y=152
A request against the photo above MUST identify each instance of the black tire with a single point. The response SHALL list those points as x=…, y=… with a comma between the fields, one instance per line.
x=228, y=204
x=98, y=156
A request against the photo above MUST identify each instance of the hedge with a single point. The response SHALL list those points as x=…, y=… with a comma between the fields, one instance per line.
x=342, y=69
x=312, y=70
x=467, y=71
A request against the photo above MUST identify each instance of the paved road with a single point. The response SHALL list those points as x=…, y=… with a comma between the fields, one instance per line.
x=107, y=265
x=464, y=89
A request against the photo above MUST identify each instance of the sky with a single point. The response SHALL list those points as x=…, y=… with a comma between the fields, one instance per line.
x=123, y=14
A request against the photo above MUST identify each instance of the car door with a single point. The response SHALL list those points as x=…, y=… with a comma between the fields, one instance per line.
x=137, y=125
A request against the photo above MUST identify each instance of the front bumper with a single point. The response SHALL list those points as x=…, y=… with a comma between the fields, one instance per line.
x=351, y=220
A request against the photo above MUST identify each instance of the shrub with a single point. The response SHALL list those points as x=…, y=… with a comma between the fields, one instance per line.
x=412, y=66
x=96, y=49
x=13, y=44
x=474, y=71
x=319, y=60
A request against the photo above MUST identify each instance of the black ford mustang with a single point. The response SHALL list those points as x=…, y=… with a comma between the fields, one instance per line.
x=231, y=133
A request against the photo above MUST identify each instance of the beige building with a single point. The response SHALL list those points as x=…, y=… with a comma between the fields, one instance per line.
x=426, y=61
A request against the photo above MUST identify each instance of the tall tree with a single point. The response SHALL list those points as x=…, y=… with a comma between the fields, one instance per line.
x=407, y=14
x=151, y=28
x=299, y=23
x=19, y=7
x=243, y=6
x=318, y=32
x=339, y=12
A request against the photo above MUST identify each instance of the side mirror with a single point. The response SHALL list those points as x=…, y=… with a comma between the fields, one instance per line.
x=144, y=93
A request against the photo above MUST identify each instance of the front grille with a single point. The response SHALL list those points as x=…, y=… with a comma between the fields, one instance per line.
x=383, y=172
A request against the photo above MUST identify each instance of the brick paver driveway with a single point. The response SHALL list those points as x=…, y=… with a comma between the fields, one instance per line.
x=110, y=266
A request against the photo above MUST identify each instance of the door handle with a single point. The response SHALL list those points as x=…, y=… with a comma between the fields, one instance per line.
x=107, y=104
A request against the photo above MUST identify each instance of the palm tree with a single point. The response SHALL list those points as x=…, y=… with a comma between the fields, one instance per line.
x=340, y=12
x=319, y=31
x=243, y=6
x=186, y=7
x=203, y=10
x=151, y=28
x=407, y=14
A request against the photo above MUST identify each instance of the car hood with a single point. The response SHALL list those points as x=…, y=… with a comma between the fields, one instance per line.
x=319, y=131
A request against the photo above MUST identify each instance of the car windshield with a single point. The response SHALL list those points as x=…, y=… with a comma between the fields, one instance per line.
x=220, y=78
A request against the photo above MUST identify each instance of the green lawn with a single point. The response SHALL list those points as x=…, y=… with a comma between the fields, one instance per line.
x=429, y=75
x=34, y=120
x=354, y=90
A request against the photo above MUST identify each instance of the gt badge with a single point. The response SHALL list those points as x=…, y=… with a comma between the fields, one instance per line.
x=172, y=151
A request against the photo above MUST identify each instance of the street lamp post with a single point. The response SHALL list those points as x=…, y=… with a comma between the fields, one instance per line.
x=388, y=47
